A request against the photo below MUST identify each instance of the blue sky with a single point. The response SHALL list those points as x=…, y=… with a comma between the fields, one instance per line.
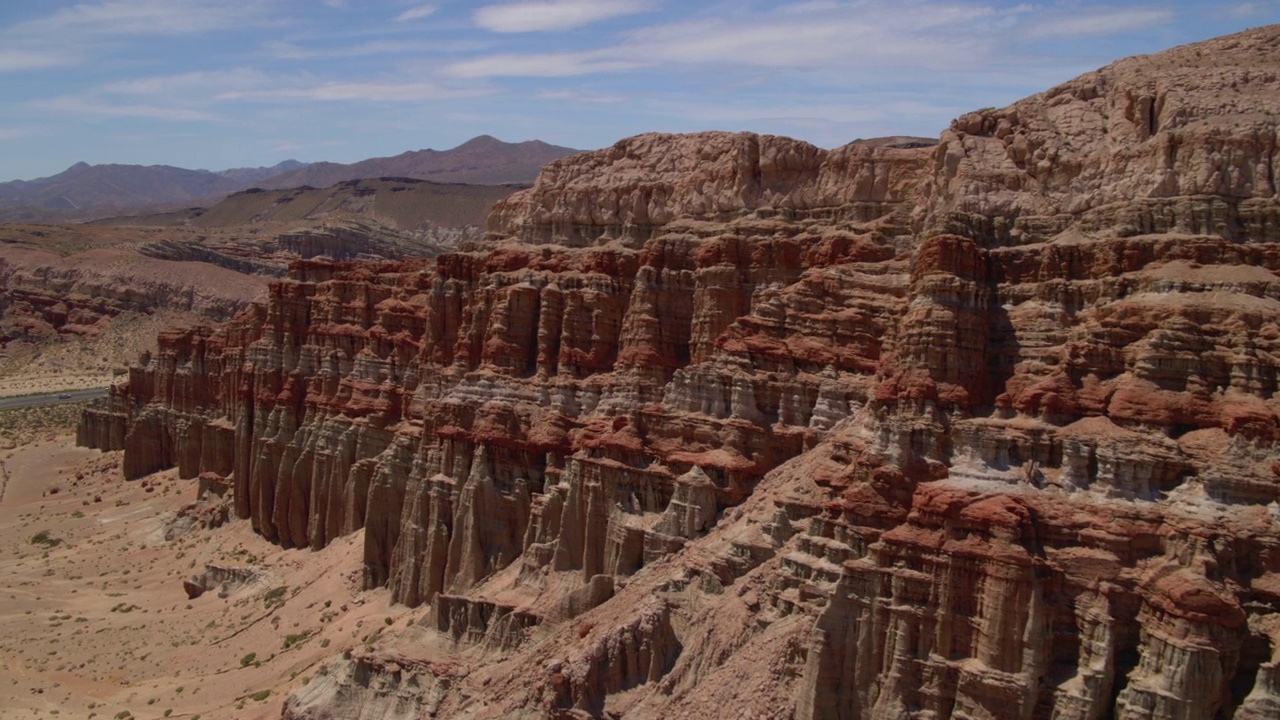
x=231, y=83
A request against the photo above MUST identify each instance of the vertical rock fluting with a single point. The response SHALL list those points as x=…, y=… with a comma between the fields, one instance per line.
x=983, y=430
x=433, y=402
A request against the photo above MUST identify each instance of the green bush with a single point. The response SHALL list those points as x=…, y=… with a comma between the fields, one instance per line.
x=275, y=596
x=292, y=639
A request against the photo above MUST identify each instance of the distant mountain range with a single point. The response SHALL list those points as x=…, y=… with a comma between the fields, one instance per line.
x=83, y=186
x=483, y=160
x=396, y=203
x=85, y=191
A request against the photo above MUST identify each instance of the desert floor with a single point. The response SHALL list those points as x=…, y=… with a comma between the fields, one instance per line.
x=94, y=621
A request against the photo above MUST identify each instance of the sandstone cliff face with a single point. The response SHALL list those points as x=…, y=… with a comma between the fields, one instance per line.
x=1183, y=141
x=986, y=430
x=629, y=191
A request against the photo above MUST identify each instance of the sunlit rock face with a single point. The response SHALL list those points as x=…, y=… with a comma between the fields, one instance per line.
x=732, y=424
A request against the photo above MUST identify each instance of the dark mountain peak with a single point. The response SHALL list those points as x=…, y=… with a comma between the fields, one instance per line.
x=483, y=159
x=243, y=177
x=481, y=141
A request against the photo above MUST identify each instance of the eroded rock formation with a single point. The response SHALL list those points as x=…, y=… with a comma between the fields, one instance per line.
x=44, y=295
x=730, y=422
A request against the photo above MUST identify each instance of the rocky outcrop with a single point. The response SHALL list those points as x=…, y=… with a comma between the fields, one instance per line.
x=44, y=295
x=228, y=580
x=369, y=687
x=986, y=430
x=629, y=191
x=480, y=622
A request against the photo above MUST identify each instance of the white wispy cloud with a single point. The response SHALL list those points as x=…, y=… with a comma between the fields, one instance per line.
x=82, y=106
x=416, y=13
x=1250, y=9
x=545, y=15
x=581, y=97
x=782, y=112
x=872, y=34
x=201, y=83
x=283, y=50
x=566, y=64
x=18, y=133
x=15, y=60
x=875, y=34
x=144, y=17
x=383, y=91
x=1099, y=21
x=796, y=111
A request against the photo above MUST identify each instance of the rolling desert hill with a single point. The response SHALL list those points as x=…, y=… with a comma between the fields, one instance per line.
x=84, y=188
x=482, y=160
x=90, y=192
x=402, y=203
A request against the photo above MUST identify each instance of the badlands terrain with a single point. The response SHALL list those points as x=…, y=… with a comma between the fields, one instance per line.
x=721, y=425
x=80, y=302
x=85, y=634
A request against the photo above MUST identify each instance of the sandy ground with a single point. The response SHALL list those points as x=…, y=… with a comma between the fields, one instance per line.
x=73, y=362
x=94, y=621
x=54, y=383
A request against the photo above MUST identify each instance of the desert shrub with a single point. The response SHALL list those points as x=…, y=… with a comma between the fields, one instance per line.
x=275, y=596
x=293, y=639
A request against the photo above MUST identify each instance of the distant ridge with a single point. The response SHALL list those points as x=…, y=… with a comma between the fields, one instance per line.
x=484, y=160
x=397, y=203
x=83, y=186
x=85, y=192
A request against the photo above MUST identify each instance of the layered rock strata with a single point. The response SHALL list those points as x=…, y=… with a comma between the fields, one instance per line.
x=44, y=295
x=732, y=423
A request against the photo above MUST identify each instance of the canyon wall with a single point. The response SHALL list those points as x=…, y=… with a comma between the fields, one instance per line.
x=730, y=424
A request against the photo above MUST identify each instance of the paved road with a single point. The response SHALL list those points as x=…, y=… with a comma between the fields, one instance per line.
x=51, y=398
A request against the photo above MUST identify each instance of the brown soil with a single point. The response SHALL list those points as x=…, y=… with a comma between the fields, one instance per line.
x=74, y=362
x=94, y=618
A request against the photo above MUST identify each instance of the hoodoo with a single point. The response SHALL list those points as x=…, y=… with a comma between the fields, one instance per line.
x=728, y=425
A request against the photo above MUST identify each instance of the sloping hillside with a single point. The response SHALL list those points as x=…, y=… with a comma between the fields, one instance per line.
x=482, y=160
x=402, y=203
x=83, y=186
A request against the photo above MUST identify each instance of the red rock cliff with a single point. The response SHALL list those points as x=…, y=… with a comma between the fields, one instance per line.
x=986, y=430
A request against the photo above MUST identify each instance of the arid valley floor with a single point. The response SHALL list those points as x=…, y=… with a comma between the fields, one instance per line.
x=94, y=620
